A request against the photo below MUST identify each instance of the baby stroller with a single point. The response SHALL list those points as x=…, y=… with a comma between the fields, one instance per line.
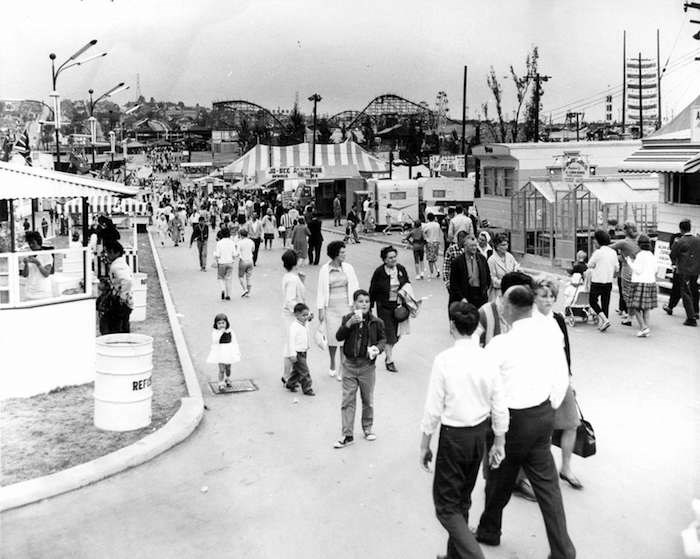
x=577, y=307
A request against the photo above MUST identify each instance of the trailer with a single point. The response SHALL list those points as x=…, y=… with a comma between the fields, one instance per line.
x=447, y=191
x=402, y=195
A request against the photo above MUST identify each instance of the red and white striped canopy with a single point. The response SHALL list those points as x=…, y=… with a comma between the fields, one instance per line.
x=328, y=156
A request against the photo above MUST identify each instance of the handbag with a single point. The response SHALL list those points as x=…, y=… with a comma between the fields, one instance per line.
x=320, y=337
x=585, y=445
x=225, y=338
x=401, y=313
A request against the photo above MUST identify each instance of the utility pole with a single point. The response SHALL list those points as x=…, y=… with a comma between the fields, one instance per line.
x=464, y=111
x=538, y=79
x=624, y=78
x=576, y=116
x=641, y=112
x=315, y=98
x=658, y=82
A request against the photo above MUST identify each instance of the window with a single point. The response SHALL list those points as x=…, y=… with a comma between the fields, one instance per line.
x=509, y=182
x=397, y=195
x=682, y=188
x=489, y=175
x=439, y=193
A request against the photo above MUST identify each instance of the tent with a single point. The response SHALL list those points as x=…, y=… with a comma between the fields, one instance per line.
x=329, y=157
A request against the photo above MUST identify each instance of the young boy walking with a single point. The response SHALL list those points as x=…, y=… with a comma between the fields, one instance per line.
x=364, y=338
x=297, y=346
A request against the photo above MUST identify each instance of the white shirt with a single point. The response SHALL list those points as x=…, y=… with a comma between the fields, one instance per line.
x=465, y=388
x=298, y=339
x=603, y=265
x=432, y=232
x=532, y=363
x=459, y=222
x=226, y=251
x=365, y=205
x=38, y=286
x=245, y=249
x=643, y=267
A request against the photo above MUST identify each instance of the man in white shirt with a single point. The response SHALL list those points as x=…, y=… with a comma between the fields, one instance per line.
x=604, y=266
x=246, y=248
x=459, y=222
x=462, y=398
x=225, y=254
x=535, y=377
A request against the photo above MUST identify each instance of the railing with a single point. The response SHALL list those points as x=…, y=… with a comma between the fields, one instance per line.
x=70, y=277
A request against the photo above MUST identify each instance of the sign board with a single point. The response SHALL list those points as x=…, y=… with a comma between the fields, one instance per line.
x=294, y=172
x=450, y=163
x=574, y=167
x=662, y=252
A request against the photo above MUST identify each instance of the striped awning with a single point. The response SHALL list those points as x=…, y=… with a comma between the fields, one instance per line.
x=34, y=182
x=328, y=156
x=659, y=156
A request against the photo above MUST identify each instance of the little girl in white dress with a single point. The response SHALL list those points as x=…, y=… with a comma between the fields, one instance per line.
x=224, y=349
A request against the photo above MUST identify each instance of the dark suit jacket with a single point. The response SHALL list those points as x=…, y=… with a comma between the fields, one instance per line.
x=315, y=229
x=459, y=278
x=685, y=254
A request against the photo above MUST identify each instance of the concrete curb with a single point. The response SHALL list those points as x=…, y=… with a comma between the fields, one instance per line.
x=180, y=426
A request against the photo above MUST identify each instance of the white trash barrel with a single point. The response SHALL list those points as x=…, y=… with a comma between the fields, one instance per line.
x=123, y=390
x=138, y=292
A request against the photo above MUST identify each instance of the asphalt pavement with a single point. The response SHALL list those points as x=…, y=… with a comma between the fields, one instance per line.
x=260, y=477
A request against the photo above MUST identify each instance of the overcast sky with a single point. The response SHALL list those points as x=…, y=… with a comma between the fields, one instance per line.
x=348, y=51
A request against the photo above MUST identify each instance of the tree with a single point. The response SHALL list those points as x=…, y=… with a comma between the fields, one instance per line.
x=521, y=86
x=295, y=129
x=323, y=131
x=368, y=133
x=497, y=91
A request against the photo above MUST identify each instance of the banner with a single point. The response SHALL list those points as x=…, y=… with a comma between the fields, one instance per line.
x=447, y=163
x=294, y=172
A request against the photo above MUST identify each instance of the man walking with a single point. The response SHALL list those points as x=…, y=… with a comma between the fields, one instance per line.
x=451, y=253
x=255, y=233
x=200, y=233
x=363, y=339
x=459, y=222
x=465, y=391
x=469, y=276
x=604, y=267
x=685, y=255
x=245, y=262
x=337, y=211
x=535, y=376
x=315, y=239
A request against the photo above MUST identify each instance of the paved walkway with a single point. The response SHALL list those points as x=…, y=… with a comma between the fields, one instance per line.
x=277, y=488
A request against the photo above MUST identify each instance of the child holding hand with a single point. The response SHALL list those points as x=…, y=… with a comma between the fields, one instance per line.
x=297, y=346
x=224, y=349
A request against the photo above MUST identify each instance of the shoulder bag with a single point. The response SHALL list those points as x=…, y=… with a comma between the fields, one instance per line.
x=585, y=444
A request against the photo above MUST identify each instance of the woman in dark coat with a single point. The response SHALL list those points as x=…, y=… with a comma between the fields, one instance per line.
x=386, y=282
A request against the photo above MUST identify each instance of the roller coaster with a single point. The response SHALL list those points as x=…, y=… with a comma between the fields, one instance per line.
x=232, y=113
x=387, y=109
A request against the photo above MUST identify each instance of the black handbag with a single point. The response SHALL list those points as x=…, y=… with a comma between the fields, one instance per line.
x=225, y=338
x=585, y=437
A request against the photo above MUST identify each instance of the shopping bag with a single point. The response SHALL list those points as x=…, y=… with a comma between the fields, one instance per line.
x=585, y=444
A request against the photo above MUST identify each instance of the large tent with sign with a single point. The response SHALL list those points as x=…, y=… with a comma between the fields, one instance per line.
x=338, y=169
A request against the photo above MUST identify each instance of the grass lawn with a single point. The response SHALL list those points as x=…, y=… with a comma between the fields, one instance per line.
x=51, y=432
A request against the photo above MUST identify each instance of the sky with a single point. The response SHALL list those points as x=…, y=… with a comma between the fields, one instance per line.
x=265, y=51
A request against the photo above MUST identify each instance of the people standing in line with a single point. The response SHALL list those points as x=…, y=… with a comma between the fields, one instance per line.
x=432, y=234
x=300, y=240
x=337, y=211
x=315, y=239
x=626, y=247
x=500, y=263
x=286, y=224
x=269, y=225
x=225, y=255
x=453, y=251
x=364, y=339
x=298, y=345
x=685, y=256
x=604, y=267
x=416, y=239
x=566, y=417
x=469, y=276
x=483, y=242
x=337, y=282
x=643, y=292
x=293, y=292
x=384, y=288
x=255, y=233
x=200, y=233
x=459, y=222
x=224, y=350
x=246, y=254
x=466, y=397
x=535, y=375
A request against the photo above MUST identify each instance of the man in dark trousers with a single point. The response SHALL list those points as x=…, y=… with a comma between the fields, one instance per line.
x=469, y=276
x=535, y=376
x=315, y=239
x=685, y=254
x=337, y=211
x=200, y=233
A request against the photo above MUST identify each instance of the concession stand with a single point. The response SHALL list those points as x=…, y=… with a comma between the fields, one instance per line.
x=47, y=335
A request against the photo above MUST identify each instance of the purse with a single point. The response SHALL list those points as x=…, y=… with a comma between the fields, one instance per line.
x=401, y=313
x=585, y=444
x=225, y=338
x=320, y=337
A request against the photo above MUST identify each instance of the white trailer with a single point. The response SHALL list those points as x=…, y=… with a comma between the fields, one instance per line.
x=403, y=195
x=447, y=191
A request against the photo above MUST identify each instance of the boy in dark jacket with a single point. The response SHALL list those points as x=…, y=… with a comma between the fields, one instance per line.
x=363, y=339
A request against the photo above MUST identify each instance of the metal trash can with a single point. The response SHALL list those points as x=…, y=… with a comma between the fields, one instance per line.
x=138, y=292
x=123, y=390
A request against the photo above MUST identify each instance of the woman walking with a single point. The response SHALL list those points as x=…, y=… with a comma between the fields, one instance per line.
x=416, y=239
x=384, y=288
x=337, y=282
x=300, y=240
x=293, y=292
x=643, y=290
x=500, y=263
x=433, y=236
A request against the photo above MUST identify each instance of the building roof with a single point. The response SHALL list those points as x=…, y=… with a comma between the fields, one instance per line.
x=617, y=191
x=664, y=156
x=263, y=157
x=679, y=127
x=549, y=189
x=33, y=182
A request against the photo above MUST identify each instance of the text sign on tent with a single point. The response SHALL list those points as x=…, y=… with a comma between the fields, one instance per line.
x=442, y=163
x=295, y=172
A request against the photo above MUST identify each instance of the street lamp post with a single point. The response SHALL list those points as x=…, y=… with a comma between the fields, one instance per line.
x=315, y=98
x=54, y=76
x=93, y=121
